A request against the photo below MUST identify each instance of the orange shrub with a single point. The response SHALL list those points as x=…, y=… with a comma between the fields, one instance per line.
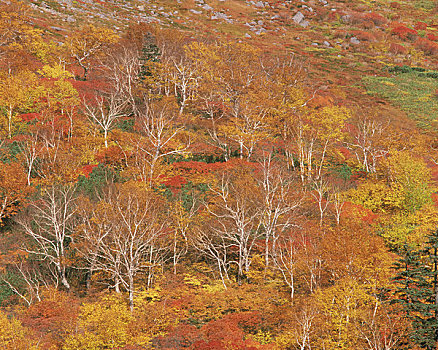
x=397, y=49
x=364, y=36
x=340, y=33
x=427, y=46
x=376, y=18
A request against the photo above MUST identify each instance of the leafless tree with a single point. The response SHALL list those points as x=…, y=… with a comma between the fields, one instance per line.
x=105, y=110
x=123, y=67
x=380, y=329
x=303, y=333
x=34, y=278
x=281, y=201
x=366, y=143
x=236, y=212
x=49, y=222
x=157, y=122
x=124, y=236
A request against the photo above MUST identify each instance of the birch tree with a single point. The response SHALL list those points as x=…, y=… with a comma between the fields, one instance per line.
x=49, y=223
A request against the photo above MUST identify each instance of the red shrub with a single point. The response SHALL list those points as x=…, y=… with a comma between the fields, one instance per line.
x=432, y=37
x=87, y=170
x=420, y=26
x=405, y=32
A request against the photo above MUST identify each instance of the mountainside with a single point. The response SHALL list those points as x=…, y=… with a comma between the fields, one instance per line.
x=218, y=174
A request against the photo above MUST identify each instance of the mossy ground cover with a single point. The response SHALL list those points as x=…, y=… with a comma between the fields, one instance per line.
x=413, y=91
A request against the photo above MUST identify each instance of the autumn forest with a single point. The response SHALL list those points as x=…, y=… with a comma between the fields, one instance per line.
x=172, y=184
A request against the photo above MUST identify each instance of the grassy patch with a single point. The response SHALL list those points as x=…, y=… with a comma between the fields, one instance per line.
x=413, y=91
x=425, y=4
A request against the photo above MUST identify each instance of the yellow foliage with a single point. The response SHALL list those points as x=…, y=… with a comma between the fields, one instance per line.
x=263, y=337
x=13, y=335
x=377, y=196
x=147, y=296
x=414, y=177
x=192, y=280
x=55, y=71
x=17, y=93
x=102, y=325
x=409, y=228
x=343, y=305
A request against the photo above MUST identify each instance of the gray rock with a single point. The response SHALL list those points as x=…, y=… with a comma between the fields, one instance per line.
x=248, y=35
x=261, y=31
x=326, y=43
x=195, y=12
x=304, y=24
x=298, y=18
x=207, y=7
x=346, y=18
x=354, y=40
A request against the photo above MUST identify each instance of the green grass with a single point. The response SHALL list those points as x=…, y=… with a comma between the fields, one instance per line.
x=412, y=91
x=425, y=4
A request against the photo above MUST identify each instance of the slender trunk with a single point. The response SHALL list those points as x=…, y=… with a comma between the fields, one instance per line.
x=435, y=284
x=292, y=286
x=151, y=268
x=29, y=171
x=85, y=69
x=117, y=284
x=220, y=272
x=90, y=273
x=175, y=245
x=64, y=281
x=10, y=122
x=131, y=293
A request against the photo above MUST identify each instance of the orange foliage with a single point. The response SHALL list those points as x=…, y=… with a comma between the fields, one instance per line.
x=364, y=36
x=398, y=49
x=227, y=333
x=113, y=155
x=429, y=47
x=13, y=189
x=351, y=210
x=376, y=18
x=52, y=318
